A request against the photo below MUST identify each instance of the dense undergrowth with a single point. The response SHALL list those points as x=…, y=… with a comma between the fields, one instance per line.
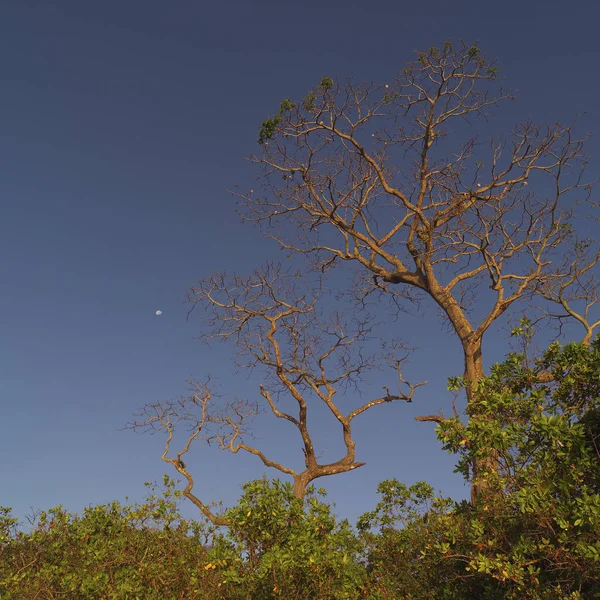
x=533, y=534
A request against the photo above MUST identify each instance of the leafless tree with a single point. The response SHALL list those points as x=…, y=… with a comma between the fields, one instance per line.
x=391, y=177
x=306, y=357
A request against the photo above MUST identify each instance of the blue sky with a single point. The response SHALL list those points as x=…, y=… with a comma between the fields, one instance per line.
x=123, y=125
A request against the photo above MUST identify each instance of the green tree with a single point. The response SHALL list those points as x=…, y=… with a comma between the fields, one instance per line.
x=280, y=546
x=540, y=537
x=398, y=536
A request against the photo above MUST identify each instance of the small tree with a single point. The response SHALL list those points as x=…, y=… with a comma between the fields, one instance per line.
x=391, y=178
x=539, y=538
x=274, y=321
x=290, y=548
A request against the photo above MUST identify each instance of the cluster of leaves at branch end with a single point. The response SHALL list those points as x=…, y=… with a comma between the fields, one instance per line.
x=473, y=51
x=326, y=83
x=309, y=102
x=524, y=329
x=269, y=126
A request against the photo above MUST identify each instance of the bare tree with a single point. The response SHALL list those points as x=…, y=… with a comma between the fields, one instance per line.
x=391, y=178
x=306, y=357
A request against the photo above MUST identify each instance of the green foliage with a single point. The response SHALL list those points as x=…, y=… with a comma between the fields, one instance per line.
x=115, y=552
x=286, y=106
x=473, y=52
x=533, y=534
x=8, y=525
x=326, y=83
x=269, y=126
x=309, y=102
x=280, y=547
x=524, y=330
x=535, y=530
x=267, y=129
x=403, y=538
x=276, y=547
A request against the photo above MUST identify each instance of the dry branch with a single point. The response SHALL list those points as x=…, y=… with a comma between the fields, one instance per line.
x=391, y=178
x=305, y=356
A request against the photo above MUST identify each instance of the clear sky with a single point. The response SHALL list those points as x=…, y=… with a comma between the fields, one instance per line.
x=123, y=125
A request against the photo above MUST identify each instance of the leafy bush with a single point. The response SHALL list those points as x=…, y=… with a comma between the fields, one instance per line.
x=534, y=532
x=278, y=546
x=110, y=552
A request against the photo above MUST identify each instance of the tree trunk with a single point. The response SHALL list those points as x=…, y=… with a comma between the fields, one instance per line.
x=300, y=483
x=473, y=365
x=473, y=375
